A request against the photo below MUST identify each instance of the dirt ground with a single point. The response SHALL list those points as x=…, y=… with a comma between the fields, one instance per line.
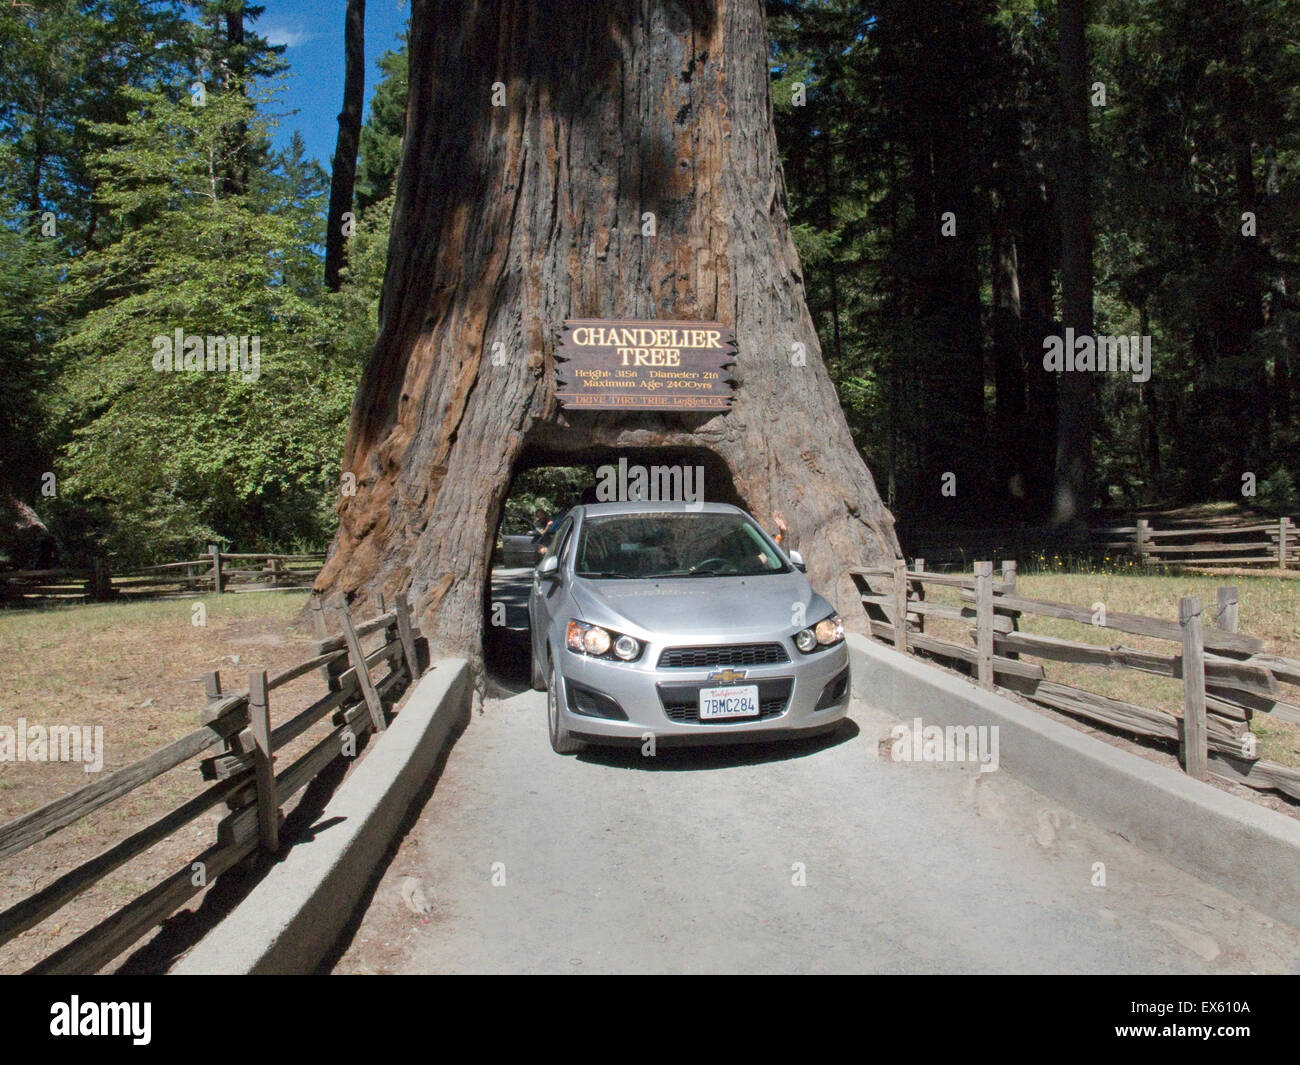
x=136, y=670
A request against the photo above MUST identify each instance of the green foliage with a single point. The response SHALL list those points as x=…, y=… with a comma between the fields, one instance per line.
x=381, y=134
x=174, y=458
x=1278, y=494
x=29, y=267
x=66, y=65
x=547, y=489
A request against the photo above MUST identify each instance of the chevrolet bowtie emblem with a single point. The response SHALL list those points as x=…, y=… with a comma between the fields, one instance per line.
x=727, y=676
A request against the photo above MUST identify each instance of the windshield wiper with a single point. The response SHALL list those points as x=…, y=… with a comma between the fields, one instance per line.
x=601, y=575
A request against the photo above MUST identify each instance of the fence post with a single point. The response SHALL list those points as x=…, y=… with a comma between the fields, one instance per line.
x=1009, y=588
x=322, y=633
x=984, y=623
x=358, y=659
x=1142, y=536
x=407, y=636
x=216, y=566
x=318, y=617
x=1228, y=615
x=1195, y=755
x=259, y=723
x=212, y=685
x=100, y=585
x=1282, y=524
x=918, y=566
x=900, y=604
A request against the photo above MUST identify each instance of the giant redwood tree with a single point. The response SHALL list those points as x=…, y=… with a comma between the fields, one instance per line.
x=583, y=160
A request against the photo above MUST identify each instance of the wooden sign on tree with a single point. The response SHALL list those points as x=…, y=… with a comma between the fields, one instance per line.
x=644, y=365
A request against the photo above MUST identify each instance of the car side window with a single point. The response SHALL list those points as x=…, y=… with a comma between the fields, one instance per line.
x=547, y=540
x=554, y=543
x=562, y=538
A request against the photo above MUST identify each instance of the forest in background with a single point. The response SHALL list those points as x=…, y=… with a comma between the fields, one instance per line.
x=949, y=211
x=1188, y=208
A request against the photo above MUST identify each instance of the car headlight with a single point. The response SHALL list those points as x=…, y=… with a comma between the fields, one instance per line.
x=826, y=633
x=598, y=642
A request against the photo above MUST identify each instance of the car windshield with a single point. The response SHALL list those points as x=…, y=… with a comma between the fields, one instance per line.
x=646, y=546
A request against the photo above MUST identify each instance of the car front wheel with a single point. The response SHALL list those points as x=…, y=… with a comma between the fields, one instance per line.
x=562, y=741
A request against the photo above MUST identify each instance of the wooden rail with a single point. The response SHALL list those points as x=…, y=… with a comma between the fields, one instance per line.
x=214, y=571
x=1227, y=677
x=1251, y=541
x=1246, y=543
x=244, y=780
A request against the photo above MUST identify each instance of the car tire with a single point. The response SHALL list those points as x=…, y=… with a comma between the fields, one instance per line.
x=562, y=741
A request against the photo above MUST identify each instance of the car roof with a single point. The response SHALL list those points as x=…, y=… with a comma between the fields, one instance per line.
x=596, y=510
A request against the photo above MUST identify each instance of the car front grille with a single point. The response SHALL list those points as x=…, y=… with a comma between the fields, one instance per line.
x=735, y=654
x=681, y=702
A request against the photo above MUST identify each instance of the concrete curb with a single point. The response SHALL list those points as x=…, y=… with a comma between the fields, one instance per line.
x=1247, y=850
x=291, y=919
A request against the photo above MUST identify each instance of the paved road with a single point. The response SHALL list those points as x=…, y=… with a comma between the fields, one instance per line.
x=690, y=862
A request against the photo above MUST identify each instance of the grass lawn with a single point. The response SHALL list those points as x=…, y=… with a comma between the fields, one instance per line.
x=136, y=669
x=1269, y=609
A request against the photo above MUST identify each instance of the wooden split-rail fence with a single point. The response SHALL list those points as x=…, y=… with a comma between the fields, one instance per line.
x=243, y=777
x=1256, y=542
x=214, y=571
x=1227, y=678
x=1273, y=543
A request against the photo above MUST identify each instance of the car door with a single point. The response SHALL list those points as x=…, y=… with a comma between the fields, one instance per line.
x=547, y=597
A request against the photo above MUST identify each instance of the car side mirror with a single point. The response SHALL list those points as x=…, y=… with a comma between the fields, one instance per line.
x=549, y=569
x=797, y=559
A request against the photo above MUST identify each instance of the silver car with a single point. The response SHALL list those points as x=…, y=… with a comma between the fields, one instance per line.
x=680, y=620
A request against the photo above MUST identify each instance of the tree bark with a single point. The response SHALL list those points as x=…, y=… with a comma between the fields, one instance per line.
x=343, y=176
x=1037, y=322
x=509, y=219
x=1075, y=415
x=1152, y=486
x=1008, y=364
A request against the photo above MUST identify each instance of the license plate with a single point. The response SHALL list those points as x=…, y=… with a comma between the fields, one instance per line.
x=725, y=703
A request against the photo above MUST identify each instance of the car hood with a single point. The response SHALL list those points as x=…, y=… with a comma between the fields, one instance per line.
x=718, y=607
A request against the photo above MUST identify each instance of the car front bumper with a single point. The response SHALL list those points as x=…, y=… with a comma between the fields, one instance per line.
x=610, y=701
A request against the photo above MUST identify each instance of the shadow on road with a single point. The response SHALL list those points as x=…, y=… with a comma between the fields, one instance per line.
x=506, y=651
x=507, y=658
x=719, y=752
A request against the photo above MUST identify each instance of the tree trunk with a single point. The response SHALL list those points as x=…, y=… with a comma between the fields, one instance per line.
x=1152, y=489
x=343, y=177
x=1008, y=364
x=509, y=219
x=235, y=180
x=1073, y=493
x=1280, y=316
x=1037, y=322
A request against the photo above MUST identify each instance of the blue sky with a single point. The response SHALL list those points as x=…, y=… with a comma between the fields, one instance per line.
x=313, y=32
